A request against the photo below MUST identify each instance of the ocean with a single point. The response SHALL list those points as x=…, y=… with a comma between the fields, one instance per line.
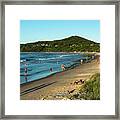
x=36, y=65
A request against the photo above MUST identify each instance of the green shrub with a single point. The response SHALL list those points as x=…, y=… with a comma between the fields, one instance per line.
x=90, y=90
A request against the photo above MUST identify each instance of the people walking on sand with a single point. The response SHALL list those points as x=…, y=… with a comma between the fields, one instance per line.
x=63, y=67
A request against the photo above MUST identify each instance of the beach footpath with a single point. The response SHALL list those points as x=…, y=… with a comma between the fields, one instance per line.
x=62, y=85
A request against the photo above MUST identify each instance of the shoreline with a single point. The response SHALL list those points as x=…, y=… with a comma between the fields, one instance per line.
x=47, y=77
x=67, y=68
x=66, y=52
x=43, y=77
x=57, y=82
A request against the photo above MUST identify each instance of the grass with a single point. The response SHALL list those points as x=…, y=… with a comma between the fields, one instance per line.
x=90, y=90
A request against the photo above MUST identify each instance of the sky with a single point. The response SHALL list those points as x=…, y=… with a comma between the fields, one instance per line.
x=47, y=30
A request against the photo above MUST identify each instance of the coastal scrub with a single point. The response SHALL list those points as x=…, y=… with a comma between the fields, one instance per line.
x=90, y=90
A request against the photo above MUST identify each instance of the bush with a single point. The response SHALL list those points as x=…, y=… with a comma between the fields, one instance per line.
x=90, y=90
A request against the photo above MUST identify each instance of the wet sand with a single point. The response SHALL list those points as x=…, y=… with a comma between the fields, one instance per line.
x=59, y=83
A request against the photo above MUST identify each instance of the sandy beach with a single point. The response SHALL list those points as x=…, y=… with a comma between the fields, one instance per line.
x=58, y=85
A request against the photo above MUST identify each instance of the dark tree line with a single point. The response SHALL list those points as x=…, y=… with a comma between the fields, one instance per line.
x=70, y=44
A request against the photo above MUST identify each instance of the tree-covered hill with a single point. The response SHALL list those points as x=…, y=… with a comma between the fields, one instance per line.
x=70, y=44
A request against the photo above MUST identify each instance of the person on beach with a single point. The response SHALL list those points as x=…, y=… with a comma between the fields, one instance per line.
x=25, y=72
x=93, y=57
x=98, y=59
x=63, y=67
x=81, y=61
x=51, y=69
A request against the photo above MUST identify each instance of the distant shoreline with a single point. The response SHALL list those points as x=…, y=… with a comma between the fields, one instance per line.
x=63, y=52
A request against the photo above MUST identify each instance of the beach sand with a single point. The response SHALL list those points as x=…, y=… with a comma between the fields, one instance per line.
x=57, y=86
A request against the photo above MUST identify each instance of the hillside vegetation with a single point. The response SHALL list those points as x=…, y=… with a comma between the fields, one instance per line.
x=90, y=90
x=70, y=44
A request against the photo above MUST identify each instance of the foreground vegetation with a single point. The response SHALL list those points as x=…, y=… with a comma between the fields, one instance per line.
x=89, y=91
x=70, y=44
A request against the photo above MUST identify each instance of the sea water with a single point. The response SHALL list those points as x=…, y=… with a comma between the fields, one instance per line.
x=43, y=64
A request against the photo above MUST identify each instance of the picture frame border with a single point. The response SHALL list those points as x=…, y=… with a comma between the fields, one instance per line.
x=2, y=56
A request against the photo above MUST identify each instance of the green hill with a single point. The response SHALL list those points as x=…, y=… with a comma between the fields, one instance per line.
x=70, y=44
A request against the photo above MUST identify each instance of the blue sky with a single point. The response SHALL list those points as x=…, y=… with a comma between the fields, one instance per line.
x=40, y=30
